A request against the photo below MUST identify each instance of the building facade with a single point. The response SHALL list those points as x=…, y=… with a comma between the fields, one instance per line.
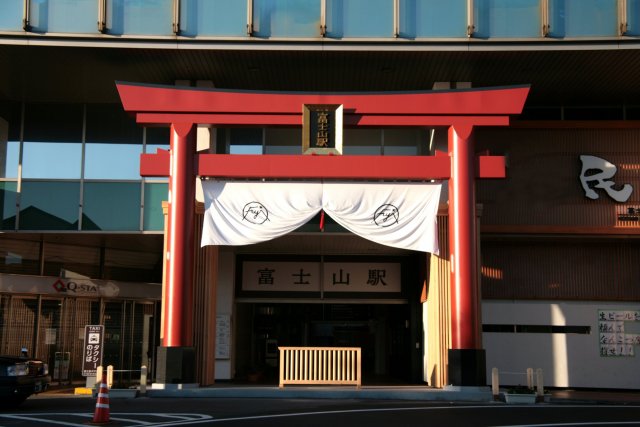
x=83, y=233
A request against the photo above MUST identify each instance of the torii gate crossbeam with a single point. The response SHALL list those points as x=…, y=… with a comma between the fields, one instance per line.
x=459, y=110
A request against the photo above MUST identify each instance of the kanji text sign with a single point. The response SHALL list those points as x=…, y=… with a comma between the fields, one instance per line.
x=316, y=276
x=93, y=349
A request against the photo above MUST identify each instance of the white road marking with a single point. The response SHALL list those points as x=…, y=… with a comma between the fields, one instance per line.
x=169, y=419
x=422, y=408
x=589, y=423
x=165, y=420
x=39, y=420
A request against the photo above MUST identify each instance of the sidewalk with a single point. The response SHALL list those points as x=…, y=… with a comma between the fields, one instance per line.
x=403, y=392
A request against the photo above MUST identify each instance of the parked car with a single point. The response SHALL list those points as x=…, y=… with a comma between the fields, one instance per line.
x=20, y=377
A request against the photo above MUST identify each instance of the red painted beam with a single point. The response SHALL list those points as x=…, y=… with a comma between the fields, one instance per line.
x=330, y=167
x=165, y=119
x=138, y=98
x=155, y=164
x=490, y=167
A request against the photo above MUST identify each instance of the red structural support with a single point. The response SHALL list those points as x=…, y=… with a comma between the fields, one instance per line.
x=465, y=326
x=180, y=237
x=458, y=110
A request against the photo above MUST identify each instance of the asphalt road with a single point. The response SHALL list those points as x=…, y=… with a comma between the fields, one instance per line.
x=47, y=410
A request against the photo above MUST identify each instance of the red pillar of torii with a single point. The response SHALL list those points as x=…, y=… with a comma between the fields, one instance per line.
x=459, y=110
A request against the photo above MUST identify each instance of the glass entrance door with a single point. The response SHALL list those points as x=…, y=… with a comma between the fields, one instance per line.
x=380, y=330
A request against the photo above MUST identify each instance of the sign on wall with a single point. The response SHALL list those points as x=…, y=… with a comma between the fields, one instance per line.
x=598, y=173
x=93, y=349
x=321, y=277
x=617, y=332
x=78, y=287
x=223, y=336
x=322, y=129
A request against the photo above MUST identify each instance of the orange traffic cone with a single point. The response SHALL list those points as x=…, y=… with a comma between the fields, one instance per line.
x=101, y=415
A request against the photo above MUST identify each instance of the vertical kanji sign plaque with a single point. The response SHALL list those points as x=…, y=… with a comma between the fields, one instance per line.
x=93, y=349
x=322, y=129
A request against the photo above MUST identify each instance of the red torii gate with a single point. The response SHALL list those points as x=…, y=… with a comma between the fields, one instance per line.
x=458, y=110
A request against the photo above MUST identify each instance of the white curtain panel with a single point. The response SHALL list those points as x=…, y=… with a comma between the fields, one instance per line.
x=242, y=213
x=401, y=215
x=398, y=215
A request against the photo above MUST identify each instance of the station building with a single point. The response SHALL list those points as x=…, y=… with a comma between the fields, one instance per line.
x=83, y=232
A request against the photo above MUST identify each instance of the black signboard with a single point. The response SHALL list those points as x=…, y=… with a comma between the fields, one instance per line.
x=93, y=349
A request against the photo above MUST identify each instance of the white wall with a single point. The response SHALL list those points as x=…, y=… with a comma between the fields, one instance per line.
x=567, y=360
x=224, y=305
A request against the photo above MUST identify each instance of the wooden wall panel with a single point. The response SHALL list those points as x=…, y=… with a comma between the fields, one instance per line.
x=437, y=305
x=561, y=270
x=204, y=304
x=543, y=192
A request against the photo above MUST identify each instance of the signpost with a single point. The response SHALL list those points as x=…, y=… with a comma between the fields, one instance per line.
x=93, y=350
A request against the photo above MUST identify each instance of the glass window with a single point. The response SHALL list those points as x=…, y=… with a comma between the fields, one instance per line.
x=9, y=157
x=64, y=16
x=245, y=140
x=53, y=122
x=49, y=336
x=507, y=18
x=114, y=144
x=433, y=18
x=154, y=195
x=112, y=161
x=286, y=18
x=110, y=123
x=152, y=17
x=359, y=18
x=11, y=15
x=213, y=18
x=70, y=261
x=8, y=194
x=133, y=266
x=37, y=160
x=157, y=138
x=52, y=131
x=115, y=323
x=283, y=141
x=633, y=17
x=361, y=142
x=10, y=119
x=49, y=205
x=405, y=142
x=579, y=18
x=18, y=256
x=111, y=206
